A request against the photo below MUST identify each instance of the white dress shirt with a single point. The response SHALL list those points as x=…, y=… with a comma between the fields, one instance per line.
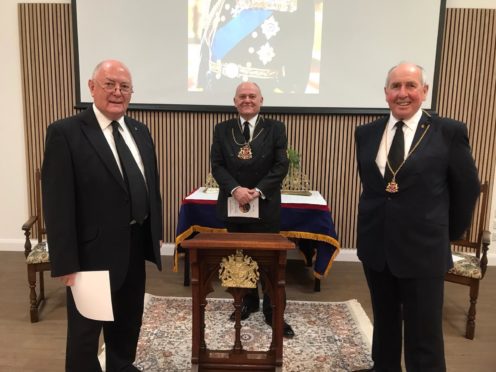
x=252, y=122
x=128, y=138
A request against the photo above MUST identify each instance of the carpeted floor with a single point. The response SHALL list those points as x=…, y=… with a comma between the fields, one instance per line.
x=329, y=336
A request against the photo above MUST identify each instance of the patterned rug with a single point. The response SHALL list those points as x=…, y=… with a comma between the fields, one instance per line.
x=329, y=336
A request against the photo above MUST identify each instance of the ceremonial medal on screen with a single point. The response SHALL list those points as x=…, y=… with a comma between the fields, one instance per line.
x=392, y=186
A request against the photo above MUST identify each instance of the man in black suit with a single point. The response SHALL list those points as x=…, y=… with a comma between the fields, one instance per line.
x=419, y=185
x=249, y=162
x=97, y=218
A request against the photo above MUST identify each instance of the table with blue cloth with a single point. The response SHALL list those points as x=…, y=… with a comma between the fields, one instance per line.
x=306, y=219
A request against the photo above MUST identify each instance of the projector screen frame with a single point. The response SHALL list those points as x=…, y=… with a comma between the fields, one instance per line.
x=433, y=87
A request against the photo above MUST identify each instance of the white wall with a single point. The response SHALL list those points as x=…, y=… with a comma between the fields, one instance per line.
x=13, y=187
x=490, y=4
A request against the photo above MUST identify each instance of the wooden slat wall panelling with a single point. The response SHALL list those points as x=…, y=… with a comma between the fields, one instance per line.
x=46, y=65
x=468, y=81
x=466, y=92
x=326, y=145
x=24, y=46
x=182, y=143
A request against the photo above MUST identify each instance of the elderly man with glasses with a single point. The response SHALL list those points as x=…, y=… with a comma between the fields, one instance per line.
x=103, y=211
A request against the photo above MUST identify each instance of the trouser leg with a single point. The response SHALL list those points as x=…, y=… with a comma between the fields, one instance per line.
x=121, y=335
x=387, y=334
x=82, y=340
x=423, y=319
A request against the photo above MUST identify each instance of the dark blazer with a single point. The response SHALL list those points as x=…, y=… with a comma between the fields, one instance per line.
x=86, y=204
x=265, y=171
x=438, y=187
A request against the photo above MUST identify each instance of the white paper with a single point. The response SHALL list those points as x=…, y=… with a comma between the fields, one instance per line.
x=92, y=296
x=248, y=210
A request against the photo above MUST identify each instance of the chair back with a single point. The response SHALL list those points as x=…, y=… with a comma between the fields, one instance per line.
x=472, y=238
x=40, y=229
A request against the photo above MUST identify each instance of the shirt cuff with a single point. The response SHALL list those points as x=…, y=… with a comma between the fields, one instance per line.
x=260, y=192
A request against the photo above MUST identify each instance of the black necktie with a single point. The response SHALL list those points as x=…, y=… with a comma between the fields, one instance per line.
x=246, y=131
x=396, y=152
x=133, y=177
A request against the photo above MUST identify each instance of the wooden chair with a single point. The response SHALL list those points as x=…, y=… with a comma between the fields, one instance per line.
x=471, y=259
x=37, y=257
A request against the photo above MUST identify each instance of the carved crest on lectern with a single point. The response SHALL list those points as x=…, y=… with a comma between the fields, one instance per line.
x=239, y=271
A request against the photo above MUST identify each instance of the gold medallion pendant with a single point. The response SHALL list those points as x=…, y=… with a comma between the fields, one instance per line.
x=392, y=187
x=245, y=152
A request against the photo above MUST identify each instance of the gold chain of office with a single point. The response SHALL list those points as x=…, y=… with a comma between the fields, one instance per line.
x=392, y=187
x=245, y=152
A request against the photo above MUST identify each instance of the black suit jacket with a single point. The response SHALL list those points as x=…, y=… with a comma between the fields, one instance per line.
x=265, y=171
x=438, y=187
x=86, y=203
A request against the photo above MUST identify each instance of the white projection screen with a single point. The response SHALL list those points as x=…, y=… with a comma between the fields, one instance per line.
x=308, y=56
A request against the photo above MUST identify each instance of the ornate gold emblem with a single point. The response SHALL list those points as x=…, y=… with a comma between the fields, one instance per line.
x=239, y=271
x=392, y=187
x=245, y=152
x=295, y=182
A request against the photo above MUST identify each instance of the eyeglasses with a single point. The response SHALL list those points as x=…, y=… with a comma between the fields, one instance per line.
x=111, y=86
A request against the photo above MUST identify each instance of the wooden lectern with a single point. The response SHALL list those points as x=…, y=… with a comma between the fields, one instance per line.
x=207, y=251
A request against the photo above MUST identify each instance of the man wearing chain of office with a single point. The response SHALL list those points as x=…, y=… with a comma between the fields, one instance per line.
x=249, y=162
x=256, y=40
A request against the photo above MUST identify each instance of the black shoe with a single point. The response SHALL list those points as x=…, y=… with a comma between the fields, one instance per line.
x=366, y=370
x=245, y=312
x=287, y=329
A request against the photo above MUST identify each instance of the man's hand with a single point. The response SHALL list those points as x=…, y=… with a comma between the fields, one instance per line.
x=68, y=280
x=244, y=195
